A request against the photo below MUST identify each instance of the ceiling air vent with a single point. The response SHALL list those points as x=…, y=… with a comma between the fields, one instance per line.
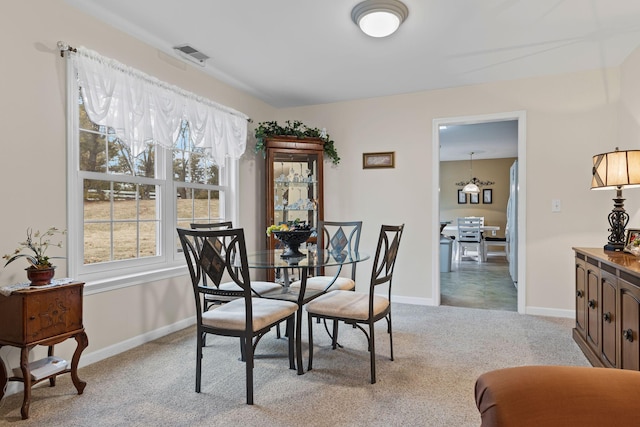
x=192, y=54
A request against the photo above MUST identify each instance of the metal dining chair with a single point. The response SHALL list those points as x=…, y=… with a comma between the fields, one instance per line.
x=357, y=308
x=336, y=237
x=210, y=300
x=217, y=253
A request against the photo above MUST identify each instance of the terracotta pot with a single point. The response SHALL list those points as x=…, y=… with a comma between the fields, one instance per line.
x=40, y=276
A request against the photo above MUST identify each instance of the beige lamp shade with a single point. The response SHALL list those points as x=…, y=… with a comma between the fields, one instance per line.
x=616, y=169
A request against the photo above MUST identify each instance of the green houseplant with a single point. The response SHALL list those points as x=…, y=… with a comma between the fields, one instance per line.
x=297, y=129
x=40, y=270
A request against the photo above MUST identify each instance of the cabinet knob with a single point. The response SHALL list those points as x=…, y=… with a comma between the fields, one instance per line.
x=580, y=293
x=592, y=303
x=32, y=317
x=607, y=317
x=628, y=335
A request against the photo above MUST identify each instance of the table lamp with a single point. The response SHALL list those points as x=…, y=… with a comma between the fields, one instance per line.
x=615, y=170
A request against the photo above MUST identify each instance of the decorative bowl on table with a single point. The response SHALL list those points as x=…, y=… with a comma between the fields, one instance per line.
x=292, y=240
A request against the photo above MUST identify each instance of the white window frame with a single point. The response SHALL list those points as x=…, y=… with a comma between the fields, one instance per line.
x=169, y=263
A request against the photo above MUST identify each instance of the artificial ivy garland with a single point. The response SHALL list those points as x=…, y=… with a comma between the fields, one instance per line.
x=297, y=129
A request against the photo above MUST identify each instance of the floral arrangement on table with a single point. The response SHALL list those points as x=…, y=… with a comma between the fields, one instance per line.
x=38, y=243
x=295, y=225
x=292, y=234
x=297, y=129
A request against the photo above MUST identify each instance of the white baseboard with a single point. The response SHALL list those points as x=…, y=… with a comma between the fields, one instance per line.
x=534, y=311
x=411, y=300
x=112, y=350
x=123, y=346
x=550, y=312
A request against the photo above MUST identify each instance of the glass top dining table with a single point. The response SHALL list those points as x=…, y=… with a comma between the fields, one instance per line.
x=310, y=260
x=268, y=259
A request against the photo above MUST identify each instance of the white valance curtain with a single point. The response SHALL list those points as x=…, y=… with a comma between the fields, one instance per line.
x=142, y=109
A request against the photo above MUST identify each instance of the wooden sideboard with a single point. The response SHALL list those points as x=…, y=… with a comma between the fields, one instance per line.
x=608, y=307
x=44, y=316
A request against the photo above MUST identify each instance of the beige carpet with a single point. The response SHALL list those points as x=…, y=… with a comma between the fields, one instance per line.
x=439, y=353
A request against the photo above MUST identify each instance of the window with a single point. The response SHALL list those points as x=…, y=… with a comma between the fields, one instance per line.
x=124, y=206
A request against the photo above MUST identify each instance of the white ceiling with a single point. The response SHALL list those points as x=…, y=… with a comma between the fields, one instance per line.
x=303, y=52
x=491, y=140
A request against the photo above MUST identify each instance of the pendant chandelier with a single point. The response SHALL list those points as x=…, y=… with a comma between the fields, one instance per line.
x=472, y=186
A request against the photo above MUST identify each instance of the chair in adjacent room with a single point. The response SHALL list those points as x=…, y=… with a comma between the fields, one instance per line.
x=358, y=308
x=469, y=237
x=217, y=253
x=336, y=237
x=490, y=242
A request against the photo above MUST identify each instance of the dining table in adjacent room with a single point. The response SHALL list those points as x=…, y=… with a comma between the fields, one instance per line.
x=311, y=260
x=452, y=230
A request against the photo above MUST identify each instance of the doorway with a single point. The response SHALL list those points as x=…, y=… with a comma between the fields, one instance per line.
x=519, y=117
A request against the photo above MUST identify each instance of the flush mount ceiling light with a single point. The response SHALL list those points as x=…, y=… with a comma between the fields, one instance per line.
x=379, y=18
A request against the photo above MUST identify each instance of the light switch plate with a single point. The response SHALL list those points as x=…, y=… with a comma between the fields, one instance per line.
x=555, y=205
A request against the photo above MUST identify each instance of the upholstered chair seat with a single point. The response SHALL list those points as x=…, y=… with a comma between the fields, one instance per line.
x=232, y=315
x=353, y=305
x=321, y=282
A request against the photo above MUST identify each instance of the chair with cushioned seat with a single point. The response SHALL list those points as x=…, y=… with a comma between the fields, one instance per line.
x=356, y=308
x=336, y=237
x=217, y=253
x=209, y=300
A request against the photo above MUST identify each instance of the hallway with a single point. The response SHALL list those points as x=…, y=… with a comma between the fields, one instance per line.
x=484, y=285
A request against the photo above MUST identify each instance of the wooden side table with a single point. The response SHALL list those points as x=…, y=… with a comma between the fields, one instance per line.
x=42, y=316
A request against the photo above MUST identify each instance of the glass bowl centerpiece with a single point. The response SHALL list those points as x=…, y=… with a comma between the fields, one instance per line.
x=292, y=235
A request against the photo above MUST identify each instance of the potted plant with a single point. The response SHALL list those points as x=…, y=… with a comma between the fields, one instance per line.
x=297, y=129
x=40, y=271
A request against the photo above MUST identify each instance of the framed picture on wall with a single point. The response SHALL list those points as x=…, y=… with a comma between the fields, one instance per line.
x=487, y=196
x=474, y=198
x=462, y=197
x=378, y=160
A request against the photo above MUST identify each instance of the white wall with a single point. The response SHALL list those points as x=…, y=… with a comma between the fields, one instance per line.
x=569, y=118
x=33, y=171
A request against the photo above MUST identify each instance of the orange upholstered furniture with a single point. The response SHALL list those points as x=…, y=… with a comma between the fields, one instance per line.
x=547, y=396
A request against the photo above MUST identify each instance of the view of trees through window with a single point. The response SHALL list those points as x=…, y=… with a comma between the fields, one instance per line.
x=125, y=196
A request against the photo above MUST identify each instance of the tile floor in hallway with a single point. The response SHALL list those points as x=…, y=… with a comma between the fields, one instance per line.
x=485, y=285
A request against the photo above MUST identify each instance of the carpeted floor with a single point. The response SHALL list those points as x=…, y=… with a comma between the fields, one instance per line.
x=439, y=353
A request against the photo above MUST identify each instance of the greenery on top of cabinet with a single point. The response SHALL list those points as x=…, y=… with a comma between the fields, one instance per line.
x=297, y=129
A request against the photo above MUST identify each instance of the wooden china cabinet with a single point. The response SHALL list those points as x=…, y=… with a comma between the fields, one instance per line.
x=294, y=183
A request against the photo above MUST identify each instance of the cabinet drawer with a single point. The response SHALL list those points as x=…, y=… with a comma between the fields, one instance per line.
x=36, y=314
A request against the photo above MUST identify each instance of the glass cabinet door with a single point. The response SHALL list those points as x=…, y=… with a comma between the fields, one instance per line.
x=295, y=188
x=294, y=182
